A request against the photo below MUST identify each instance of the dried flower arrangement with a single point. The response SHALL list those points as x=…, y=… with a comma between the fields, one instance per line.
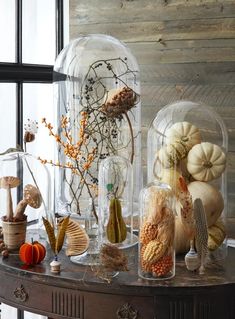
x=92, y=133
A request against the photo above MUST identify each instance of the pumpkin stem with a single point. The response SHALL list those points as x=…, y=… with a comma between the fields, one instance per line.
x=184, y=138
x=207, y=164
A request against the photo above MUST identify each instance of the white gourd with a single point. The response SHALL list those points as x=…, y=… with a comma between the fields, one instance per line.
x=206, y=161
x=184, y=132
x=170, y=154
x=212, y=200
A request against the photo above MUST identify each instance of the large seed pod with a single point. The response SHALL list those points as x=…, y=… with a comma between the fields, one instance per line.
x=116, y=228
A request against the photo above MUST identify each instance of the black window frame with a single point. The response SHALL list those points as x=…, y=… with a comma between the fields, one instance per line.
x=19, y=72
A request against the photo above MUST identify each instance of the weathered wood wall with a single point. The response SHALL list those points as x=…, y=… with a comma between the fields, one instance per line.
x=185, y=48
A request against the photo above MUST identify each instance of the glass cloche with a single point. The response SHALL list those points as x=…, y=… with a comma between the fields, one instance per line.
x=98, y=98
x=25, y=189
x=115, y=202
x=187, y=148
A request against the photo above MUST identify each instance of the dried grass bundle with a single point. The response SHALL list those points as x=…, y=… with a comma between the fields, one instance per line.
x=112, y=258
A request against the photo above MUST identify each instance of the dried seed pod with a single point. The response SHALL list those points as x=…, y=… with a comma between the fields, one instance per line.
x=148, y=232
x=163, y=266
x=119, y=101
x=146, y=266
x=155, y=249
x=116, y=228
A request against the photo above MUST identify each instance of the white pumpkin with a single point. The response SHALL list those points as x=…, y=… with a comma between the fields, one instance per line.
x=182, y=242
x=212, y=200
x=206, y=161
x=184, y=132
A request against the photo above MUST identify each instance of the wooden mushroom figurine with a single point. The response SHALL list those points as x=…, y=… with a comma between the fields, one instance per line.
x=32, y=197
x=8, y=182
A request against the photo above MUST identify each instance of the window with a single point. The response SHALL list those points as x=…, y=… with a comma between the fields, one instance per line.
x=31, y=36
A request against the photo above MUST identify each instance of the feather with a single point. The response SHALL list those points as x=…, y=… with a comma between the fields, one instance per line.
x=61, y=234
x=50, y=233
x=201, y=233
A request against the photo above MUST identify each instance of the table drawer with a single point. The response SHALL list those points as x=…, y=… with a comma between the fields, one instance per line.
x=25, y=293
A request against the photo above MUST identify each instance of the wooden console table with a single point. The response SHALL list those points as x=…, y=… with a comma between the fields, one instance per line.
x=77, y=293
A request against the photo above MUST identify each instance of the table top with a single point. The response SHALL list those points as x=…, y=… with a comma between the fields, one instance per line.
x=79, y=277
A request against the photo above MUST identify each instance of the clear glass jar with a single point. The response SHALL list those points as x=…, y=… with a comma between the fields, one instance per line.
x=115, y=202
x=27, y=170
x=99, y=113
x=157, y=229
x=187, y=148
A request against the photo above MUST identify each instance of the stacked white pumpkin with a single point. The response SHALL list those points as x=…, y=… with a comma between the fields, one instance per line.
x=201, y=163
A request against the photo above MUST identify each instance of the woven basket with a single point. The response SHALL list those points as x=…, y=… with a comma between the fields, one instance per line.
x=14, y=234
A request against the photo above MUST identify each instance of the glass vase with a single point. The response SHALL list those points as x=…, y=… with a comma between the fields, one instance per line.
x=157, y=229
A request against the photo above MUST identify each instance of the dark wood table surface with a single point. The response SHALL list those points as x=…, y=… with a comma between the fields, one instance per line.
x=78, y=293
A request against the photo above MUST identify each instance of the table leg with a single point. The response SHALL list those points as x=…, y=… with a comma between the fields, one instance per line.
x=20, y=314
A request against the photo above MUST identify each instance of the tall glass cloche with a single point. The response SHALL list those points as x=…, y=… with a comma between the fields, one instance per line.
x=98, y=98
x=187, y=148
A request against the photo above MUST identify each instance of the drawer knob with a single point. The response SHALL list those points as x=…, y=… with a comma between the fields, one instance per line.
x=126, y=311
x=20, y=294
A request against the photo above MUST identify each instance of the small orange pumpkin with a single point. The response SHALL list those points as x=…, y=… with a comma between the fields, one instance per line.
x=32, y=253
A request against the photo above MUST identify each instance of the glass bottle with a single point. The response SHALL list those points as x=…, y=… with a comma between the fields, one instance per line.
x=156, y=235
x=115, y=202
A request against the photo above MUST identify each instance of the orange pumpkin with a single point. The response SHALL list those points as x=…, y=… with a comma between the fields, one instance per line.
x=32, y=253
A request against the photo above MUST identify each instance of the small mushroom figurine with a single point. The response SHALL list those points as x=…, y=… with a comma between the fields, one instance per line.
x=8, y=182
x=32, y=197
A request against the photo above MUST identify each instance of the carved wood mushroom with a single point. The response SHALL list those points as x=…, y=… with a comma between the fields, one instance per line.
x=32, y=197
x=8, y=182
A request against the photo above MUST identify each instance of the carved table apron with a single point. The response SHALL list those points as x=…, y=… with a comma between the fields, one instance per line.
x=77, y=293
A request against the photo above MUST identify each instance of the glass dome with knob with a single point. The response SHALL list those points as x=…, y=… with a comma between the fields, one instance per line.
x=115, y=202
x=97, y=90
x=187, y=148
x=25, y=196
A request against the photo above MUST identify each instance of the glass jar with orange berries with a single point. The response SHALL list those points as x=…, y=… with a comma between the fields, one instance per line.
x=157, y=228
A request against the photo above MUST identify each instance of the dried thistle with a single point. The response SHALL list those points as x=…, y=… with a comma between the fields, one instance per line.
x=31, y=128
x=119, y=102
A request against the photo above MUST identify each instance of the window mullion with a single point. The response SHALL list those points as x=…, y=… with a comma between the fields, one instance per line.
x=18, y=31
x=19, y=85
x=59, y=26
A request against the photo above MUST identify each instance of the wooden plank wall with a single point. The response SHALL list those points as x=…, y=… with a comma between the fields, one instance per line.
x=185, y=48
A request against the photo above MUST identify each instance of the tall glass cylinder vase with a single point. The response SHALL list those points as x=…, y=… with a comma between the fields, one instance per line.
x=157, y=229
